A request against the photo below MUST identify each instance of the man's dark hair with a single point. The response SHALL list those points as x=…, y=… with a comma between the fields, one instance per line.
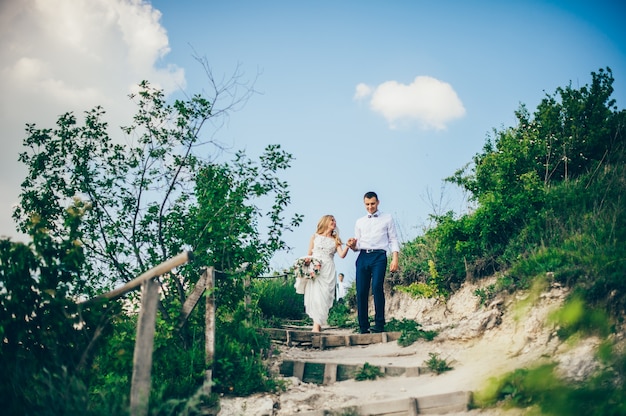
x=370, y=194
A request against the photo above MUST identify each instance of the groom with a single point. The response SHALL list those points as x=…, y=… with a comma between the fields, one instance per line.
x=374, y=235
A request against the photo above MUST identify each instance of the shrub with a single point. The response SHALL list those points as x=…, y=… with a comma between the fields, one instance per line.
x=603, y=394
x=437, y=365
x=576, y=316
x=240, y=353
x=368, y=372
x=277, y=298
x=434, y=287
x=410, y=331
x=340, y=315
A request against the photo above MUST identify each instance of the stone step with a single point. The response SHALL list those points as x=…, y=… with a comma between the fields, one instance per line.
x=328, y=340
x=328, y=373
x=427, y=405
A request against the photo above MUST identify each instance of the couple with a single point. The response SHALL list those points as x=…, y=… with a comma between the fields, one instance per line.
x=374, y=233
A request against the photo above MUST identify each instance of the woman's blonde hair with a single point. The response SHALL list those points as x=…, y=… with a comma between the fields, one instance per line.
x=322, y=225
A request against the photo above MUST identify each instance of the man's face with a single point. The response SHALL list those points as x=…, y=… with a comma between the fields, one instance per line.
x=371, y=204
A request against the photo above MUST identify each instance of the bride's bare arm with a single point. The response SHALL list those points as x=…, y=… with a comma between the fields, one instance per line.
x=310, y=252
x=342, y=251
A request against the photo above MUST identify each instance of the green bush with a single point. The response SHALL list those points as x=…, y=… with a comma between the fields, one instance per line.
x=240, y=366
x=538, y=210
x=576, y=316
x=277, y=298
x=350, y=298
x=241, y=351
x=485, y=294
x=443, y=242
x=603, y=394
x=434, y=287
x=340, y=315
x=410, y=331
x=437, y=365
x=368, y=372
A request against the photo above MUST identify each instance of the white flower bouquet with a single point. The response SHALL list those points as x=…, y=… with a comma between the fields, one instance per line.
x=307, y=267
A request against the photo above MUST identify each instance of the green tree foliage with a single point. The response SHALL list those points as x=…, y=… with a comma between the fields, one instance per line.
x=154, y=197
x=549, y=207
x=46, y=337
x=228, y=213
x=129, y=190
x=101, y=210
x=555, y=175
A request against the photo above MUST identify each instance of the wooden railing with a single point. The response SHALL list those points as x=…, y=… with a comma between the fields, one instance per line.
x=141, y=383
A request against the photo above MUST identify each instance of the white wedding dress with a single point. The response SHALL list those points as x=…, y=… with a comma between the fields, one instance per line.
x=320, y=292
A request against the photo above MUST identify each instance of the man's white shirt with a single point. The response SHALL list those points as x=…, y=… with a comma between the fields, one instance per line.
x=376, y=232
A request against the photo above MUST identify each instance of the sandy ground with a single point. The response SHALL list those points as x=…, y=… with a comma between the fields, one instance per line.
x=473, y=362
x=517, y=339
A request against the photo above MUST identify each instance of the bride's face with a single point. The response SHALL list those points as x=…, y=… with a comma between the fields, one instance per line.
x=332, y=224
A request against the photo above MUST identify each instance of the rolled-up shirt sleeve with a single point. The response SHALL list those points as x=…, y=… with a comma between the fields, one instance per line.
x=392, y=235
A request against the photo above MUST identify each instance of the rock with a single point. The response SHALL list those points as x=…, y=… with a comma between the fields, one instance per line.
x=256, y=405
x=473, y=326
x=579, y=362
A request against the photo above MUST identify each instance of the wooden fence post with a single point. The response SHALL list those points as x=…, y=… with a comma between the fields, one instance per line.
x=194, y=297
x=141, y=382
x=144, y=345
x=246, y=289
x=209, y=331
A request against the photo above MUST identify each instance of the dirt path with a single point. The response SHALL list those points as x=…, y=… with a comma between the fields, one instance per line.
x=516, y=339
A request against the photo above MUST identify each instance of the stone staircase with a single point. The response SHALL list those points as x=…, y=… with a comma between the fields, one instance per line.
x=326, y=339
x=326, y=373
x=428, y=405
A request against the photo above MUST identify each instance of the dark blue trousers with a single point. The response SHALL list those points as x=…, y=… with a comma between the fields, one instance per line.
x=370, y=271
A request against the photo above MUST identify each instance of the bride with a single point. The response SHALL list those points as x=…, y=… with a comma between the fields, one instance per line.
x=319, y=293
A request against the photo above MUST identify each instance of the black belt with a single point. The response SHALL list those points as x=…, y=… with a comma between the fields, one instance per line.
x=371, y=250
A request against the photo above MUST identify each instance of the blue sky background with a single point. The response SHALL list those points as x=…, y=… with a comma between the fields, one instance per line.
x=387, y=96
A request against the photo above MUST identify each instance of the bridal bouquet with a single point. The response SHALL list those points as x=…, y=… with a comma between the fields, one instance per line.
x=307, y=267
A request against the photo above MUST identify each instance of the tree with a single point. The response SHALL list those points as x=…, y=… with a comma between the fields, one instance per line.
x=132, y=206
x=138, y=197
x=572, y=133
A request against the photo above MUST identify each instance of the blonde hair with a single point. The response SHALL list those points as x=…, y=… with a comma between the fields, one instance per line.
x=322, y=225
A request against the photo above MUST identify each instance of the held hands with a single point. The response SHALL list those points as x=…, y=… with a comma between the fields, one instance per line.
x=351, y=243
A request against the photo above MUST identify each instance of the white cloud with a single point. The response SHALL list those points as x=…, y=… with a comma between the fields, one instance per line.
x=362, y=91
x=427, y=101
x=72, y=55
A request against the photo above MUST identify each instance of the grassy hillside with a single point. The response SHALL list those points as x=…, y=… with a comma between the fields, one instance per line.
x=549, y=206
x=548, y=197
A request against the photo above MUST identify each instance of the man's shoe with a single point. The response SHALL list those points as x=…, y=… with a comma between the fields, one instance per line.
x=364, y=331
x=377, y=330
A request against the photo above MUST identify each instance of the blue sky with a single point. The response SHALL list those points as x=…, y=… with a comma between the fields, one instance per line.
x=387, y=96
